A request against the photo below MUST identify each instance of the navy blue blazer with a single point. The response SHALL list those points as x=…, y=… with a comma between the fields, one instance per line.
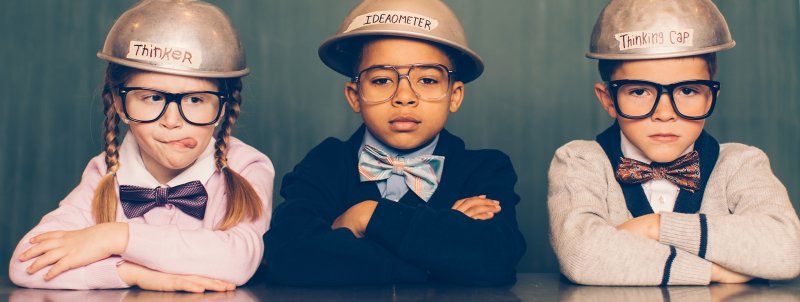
x=405, y=241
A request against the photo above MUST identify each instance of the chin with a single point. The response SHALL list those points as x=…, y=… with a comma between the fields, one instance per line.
x=177, y=164
x=402, y=145
x=663, y=156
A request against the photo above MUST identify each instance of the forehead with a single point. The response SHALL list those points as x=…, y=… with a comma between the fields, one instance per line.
x=169, y=82
x=401, y=51
x=664, y=71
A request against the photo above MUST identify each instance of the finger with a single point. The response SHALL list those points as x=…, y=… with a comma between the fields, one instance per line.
x=219, y=285
x=482, y=203
x=226, y=286
x=47, y=236
x=39, y=249
x=473, y=201
x=185, y=284
x=465, y=203
x=484, y=216
x=461, y=201
x=458, y=203
x=193, y=288
x=209, y=284
x=337, y=223
x=474, y=211
x=45, y=260
x=61, y=266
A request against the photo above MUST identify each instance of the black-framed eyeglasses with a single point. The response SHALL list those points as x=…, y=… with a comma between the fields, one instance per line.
x=145, y=105
x=638, y=99
x=378, y=84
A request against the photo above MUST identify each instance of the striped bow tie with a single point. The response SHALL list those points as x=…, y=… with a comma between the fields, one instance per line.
x=422, y=173
x=683, y=172
x=190, y=198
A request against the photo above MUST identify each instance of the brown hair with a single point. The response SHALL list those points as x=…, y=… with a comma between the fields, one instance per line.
x=243, y=202
x=608, y=67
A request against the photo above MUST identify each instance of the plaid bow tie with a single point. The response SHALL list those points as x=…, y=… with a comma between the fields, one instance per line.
x=422, y=173
x=190, y=198
x=683, y=172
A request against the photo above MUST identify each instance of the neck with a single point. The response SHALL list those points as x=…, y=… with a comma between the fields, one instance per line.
x=162, y=174
x=402, y=151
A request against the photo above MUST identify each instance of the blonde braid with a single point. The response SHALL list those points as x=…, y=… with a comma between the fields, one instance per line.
x=243, y=202
x=104, y=203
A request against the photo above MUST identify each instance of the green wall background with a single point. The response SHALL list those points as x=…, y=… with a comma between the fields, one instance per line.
x=535, y=95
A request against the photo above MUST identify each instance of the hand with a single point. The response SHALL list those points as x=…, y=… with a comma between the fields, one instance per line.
x=648, y=226
x=145, y=278
x=356, y=218
x=723, y=275
x=478, y=207
x=66, y=250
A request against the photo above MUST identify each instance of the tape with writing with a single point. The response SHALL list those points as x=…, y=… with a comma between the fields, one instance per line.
x=393, y=17
x=159, y=53
x=652, y=39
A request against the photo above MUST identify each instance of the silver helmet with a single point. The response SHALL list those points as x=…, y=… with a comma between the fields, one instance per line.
x=429, y=20
x=655, y=29
x=182, y=37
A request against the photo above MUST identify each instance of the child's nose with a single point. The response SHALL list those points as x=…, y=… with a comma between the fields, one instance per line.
x=405, y=96
x=172, y=117
x=664, y=111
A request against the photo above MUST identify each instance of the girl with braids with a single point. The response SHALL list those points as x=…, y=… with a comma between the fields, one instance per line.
x=172, y=207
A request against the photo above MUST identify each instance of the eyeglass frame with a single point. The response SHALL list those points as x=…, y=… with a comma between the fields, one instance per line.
x=170, y=98
x=613, y=87
x=450, y=76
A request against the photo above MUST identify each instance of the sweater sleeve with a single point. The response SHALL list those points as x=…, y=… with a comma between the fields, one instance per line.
x=231, y=255
x=761, y=235
x=589, y=248
x=73, y=213
x=450, y=245
x=301, y=247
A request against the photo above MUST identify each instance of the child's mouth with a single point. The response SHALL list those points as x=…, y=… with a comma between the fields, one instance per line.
x=664, y=137
x=188, y=143
x=404, y=124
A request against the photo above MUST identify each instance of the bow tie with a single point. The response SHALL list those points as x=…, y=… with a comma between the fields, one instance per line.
x=190, y=198
x=421, y=173
x=683, y=172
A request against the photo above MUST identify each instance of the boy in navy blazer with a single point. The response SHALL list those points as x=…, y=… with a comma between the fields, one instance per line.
x=401, y=200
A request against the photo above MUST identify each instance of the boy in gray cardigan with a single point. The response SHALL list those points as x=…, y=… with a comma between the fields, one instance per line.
x=655, y=200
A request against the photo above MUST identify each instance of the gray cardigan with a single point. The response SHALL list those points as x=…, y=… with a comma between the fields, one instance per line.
x=749, y=223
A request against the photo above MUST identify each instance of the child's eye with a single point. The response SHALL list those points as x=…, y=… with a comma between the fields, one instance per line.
x=152, y=98
x=687, y=91
x=381, y=81
x=194, y=99
x=639, y=92
x=428, y=81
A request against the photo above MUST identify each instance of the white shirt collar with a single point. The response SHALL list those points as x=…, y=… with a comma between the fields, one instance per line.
x=629, y=150
x=133, y=172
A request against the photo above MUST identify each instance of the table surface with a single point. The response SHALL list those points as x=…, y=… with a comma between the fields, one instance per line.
x=529, y=287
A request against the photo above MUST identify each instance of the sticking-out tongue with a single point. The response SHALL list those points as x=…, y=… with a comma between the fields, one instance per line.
x=186, y=142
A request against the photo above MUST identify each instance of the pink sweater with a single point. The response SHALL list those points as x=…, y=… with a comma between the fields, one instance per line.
x=165, y=239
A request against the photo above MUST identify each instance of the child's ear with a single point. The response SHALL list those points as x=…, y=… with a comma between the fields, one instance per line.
x=603, y=96
x=351, y=94
x=456, y=96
